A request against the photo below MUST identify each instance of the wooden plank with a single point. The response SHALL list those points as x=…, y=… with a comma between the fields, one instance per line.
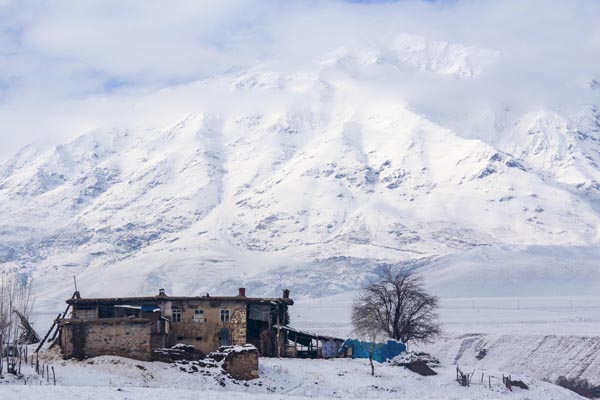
x=47, y=334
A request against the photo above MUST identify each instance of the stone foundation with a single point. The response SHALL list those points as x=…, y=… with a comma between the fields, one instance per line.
x=241, y=362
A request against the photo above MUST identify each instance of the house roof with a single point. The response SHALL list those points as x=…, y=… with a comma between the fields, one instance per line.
x=161, y=299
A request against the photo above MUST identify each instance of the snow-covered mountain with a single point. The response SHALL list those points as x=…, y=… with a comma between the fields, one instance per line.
x=311, y=176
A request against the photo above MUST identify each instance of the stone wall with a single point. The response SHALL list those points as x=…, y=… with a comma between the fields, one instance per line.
x=238, y=326
x=120, y=337
x=242, y=365
x=241, y=362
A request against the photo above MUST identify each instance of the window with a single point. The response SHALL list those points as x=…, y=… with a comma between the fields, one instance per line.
x=199, y=316
x=176, y=312
x=106, y=311
x=225, y=315
x=180, y=337
x=199, y=338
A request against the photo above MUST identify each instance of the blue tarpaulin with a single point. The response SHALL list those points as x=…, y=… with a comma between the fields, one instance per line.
x=381, y=351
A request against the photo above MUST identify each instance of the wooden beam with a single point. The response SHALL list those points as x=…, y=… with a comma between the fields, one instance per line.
x=47, y=334
x=58, y=318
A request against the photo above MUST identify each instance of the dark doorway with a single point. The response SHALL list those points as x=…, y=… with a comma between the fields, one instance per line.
x=225, y=337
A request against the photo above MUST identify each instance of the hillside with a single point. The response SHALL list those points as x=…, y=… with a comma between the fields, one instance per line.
x=311, y=176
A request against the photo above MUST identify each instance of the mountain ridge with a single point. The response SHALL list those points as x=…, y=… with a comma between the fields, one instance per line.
x=317, y=170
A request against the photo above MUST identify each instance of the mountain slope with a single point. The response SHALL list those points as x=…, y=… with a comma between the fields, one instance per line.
x=310, y=176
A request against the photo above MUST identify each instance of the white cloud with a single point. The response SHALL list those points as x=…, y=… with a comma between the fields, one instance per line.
x=58, y=58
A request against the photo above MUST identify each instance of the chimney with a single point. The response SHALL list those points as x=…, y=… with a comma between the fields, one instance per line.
x=161, y=293
x=286, y=293
x=242, y=292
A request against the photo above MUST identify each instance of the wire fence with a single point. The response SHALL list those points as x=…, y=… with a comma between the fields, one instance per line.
x=15, y=358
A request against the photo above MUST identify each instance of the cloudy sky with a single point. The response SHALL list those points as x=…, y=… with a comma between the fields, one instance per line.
x=58, y=57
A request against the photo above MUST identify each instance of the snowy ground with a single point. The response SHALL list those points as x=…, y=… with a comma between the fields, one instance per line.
x=542, y=337
x=120, y=378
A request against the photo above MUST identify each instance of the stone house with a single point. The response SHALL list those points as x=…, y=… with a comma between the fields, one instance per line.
x=135, y=326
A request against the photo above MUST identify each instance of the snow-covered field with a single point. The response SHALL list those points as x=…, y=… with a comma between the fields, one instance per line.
x=120, y=378
x=543, y=337
x=574, y=315
x=533, y=339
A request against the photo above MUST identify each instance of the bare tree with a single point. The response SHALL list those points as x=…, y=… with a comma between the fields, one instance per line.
x=16, y=303
x=398, y=304
x=369, y=332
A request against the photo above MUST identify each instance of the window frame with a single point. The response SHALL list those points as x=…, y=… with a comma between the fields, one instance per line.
x=225, y=312
x=199, y=316
x=176, y=314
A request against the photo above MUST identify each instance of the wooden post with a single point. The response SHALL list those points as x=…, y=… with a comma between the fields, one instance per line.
x=278, y=334
x=53, y=376
x=317, y=343
x=295, y=347
x=7, y=359
x=270, y=333
x=1, y=351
